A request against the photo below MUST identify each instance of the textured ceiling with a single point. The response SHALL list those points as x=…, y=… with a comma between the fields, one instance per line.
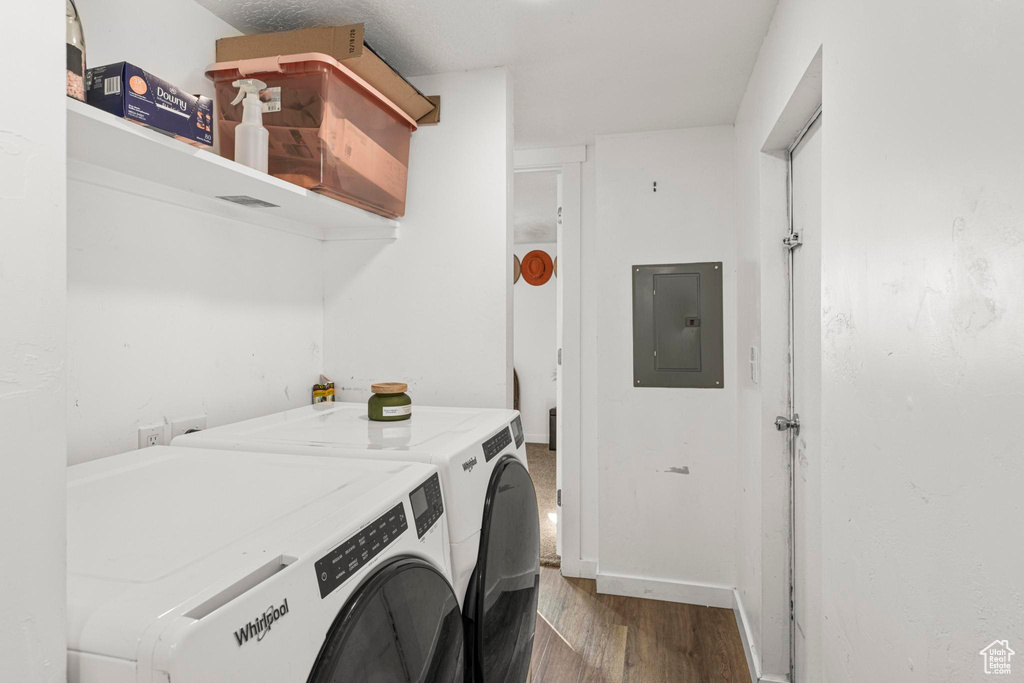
x=581, y=67
x=535, y=207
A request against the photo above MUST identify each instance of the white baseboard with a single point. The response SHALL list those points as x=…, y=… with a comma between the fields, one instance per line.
x=579, y=569
x=747, y=636
x=670, y=591
x=536, y=438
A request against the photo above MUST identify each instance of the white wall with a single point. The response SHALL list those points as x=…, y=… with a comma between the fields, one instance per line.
x=762, y=580
x=590, y=276
x=923, y=322
x=656, y=524
x=921, y=372
x=173, y=313
x=32, y=341
x=172, y=39
x=434, y=307
x=536, y=347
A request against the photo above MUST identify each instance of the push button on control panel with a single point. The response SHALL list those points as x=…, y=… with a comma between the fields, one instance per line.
x=337, y=566
x=496, y=444
x=427, y=506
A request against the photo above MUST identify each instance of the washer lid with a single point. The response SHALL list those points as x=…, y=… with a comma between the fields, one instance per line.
x=345, y=426
x=150, y=531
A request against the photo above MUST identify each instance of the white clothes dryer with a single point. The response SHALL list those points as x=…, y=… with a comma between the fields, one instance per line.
x=193, y=566
x=491, y=505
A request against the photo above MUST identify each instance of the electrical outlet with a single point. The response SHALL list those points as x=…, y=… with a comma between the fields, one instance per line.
x=185, y=425
x=151, y=436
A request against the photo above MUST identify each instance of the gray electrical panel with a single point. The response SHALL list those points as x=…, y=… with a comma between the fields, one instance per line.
x=677, y=326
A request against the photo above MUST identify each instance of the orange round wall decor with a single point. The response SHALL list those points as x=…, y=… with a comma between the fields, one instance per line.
x=537, y=267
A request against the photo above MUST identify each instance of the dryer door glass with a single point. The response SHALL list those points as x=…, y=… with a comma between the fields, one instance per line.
x=401, y=626
x=507, y=578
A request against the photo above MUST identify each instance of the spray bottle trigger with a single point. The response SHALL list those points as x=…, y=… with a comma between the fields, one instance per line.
x=246, y=86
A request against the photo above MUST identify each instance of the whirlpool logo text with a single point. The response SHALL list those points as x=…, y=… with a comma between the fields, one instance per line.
x=260, y=626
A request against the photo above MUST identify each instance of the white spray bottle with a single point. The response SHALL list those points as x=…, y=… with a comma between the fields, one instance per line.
x=252, y=140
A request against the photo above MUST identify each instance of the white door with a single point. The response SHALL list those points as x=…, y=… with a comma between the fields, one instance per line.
x=806, y=170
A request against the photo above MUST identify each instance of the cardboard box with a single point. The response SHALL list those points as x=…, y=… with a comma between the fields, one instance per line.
x=431, y=118
x=344, y=43
x=134, y=94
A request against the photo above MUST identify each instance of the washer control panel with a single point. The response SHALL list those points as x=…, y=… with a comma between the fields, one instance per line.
x=337, y=566
x=427, y=505
x=496, y=444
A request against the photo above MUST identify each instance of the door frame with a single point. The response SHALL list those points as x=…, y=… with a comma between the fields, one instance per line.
x=567, y=161
x=773, y=661
x=791, y=245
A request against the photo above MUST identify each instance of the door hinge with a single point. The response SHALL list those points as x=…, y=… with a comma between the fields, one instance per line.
x=558, y=495
x=792, y=240
x=559, y=356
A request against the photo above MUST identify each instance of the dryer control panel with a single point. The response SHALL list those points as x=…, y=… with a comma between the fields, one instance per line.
x=427, y=505
x=517, y=431
x=496, y=444
x=337, y=566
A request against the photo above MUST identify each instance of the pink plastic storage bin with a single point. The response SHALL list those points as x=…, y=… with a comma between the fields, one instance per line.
x=335, y=133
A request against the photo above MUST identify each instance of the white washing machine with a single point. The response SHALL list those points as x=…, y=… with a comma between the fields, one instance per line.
x=188, y=566
x=491, y=505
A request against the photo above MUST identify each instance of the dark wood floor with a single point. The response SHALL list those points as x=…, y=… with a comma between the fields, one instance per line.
x=586, y=637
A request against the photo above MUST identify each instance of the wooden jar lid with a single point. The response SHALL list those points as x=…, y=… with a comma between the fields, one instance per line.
x=389, y=388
